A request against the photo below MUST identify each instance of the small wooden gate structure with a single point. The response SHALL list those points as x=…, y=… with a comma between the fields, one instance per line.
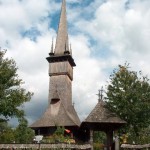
x=101, y=119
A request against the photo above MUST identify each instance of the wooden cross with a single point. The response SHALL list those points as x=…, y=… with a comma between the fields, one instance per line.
x=100, y=94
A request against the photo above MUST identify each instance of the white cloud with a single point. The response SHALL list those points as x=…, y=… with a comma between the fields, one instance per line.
x=29, y=55
x=125, y=31
x=88, y=76
x=122, y=30
x=74, y=1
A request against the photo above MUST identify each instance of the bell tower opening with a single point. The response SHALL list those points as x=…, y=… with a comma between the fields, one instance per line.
x=54, y=101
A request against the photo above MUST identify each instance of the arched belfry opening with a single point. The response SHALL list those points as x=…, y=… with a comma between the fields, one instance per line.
x=54, y=101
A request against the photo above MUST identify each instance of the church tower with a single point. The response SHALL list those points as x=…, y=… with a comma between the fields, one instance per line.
x=60, y=111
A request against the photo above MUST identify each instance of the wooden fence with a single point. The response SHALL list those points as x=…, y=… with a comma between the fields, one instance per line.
x=46, y=146
x=129, y=146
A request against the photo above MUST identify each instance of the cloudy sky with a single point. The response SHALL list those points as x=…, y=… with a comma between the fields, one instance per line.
x=103, y=34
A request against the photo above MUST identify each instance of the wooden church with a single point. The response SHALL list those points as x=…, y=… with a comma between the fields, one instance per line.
x=60, y=110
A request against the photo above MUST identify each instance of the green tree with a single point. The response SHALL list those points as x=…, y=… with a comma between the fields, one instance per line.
x=60, y=131
x=12, y=96
x=99, y=137
x=6, y=133
x=23, y=134
x=128, y=95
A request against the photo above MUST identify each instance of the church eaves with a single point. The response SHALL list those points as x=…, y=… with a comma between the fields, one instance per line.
x=62, y=35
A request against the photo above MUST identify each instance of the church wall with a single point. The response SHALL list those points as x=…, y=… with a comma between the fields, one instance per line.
x=63, y=85
x=61, y=68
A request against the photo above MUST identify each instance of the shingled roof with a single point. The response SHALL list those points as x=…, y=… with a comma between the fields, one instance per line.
x=57, y=116
x=102, y=118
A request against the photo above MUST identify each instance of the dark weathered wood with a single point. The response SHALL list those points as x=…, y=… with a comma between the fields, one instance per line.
x=43, y=146
x=109, y=135
x=129, y=146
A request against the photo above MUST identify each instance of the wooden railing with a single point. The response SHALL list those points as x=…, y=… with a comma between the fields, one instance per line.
x=129, y=146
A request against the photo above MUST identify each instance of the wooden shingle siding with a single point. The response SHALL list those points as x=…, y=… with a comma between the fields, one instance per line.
x=63, y=85
x=61, y=68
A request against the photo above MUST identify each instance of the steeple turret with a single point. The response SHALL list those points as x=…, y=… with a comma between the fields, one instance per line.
x=52, y=49
x=62, y=35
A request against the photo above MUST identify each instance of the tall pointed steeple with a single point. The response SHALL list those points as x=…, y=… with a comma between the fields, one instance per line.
x=60, y=110
x=61, y=50
x=62, y=35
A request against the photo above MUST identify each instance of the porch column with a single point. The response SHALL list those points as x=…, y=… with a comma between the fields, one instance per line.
x=109, y=135
x=116, y=142
x=91, y=139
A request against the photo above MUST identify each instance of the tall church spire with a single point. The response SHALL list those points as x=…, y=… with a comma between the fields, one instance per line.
x=62, y=35
x=60, y=110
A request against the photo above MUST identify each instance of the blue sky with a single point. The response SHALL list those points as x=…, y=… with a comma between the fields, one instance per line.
x=103, y=34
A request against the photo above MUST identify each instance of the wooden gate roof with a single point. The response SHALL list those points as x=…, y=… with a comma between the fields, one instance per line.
x=101, y=118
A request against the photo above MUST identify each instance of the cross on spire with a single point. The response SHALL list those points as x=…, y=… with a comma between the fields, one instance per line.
x=100, y=94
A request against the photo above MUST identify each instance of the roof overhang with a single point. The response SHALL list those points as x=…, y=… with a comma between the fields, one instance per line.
x=102, y=126
x=61, y=58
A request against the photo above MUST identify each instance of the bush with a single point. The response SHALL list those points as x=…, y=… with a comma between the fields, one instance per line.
x=98, y=146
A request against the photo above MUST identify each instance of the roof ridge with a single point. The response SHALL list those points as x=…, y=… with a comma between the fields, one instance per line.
x=101, y=114
x=69, y=114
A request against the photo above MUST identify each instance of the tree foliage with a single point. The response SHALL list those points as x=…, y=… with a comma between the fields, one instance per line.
x=20, y=134
x=99, y=137
x=23, y=134
x=6, y=133
x=128, y=96
x=12, y=96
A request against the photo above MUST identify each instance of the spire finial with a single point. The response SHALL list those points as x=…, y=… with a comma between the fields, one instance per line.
x=66, y=47
x=100, y=94
x=70, y=49
x=52, y=49
x=62, y=35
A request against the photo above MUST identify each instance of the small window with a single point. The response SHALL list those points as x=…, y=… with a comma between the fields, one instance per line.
x=54, y=101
